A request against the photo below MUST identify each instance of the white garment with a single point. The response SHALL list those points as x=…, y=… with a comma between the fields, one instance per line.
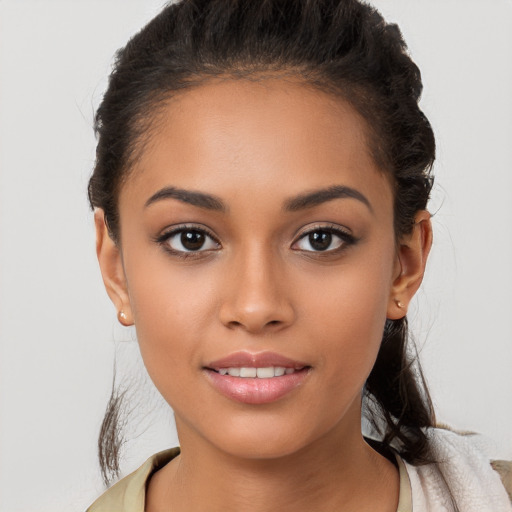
x=463, y=476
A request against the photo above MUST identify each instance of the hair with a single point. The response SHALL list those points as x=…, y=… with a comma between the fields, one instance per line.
x=342, y=47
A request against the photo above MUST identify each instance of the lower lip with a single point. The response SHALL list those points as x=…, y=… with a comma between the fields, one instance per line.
x=249, y=390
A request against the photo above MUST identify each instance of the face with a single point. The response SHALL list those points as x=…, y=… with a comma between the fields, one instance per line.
x=258, y=262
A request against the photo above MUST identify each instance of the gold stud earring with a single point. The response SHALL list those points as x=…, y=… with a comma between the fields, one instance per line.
x=121, y=316
x=400, y=304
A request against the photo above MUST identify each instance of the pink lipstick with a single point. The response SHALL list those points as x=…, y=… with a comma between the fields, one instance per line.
x=256, y=378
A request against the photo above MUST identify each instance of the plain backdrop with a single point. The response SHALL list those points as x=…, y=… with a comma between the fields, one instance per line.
x=58, y=331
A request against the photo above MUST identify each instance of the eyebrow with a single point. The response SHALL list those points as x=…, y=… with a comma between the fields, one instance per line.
x=300, y=202
x=318, y=197
x=199, y=199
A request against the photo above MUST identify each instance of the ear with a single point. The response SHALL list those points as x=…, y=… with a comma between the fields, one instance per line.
x=112, y=270
x=412, y=256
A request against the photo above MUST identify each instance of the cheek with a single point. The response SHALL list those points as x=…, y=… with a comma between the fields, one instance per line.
x=171, y=308
x=347, y=309
x=358, y=289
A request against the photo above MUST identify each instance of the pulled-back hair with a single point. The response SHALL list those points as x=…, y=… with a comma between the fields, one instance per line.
x=343, y=47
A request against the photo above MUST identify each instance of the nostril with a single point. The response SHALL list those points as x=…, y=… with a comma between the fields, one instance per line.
x=235, y=324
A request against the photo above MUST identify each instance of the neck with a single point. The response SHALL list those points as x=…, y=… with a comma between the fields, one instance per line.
x=333, y=473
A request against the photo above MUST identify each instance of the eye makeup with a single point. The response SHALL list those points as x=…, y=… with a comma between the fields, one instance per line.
x=196, y=241
x=188, y=241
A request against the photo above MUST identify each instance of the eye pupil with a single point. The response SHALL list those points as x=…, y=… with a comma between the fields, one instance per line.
x=320, y=240
x=192, y=240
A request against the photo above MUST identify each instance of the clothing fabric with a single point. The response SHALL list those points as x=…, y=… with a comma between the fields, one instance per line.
x=129, y=494
x=463, y=480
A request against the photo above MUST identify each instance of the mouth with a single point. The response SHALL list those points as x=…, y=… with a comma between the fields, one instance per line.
x=256, y=378
x=248, y=372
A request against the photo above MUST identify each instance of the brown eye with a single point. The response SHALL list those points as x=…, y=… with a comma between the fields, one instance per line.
x=320, y=240
x=328, y=239
x=192, y=240
x=185, y=240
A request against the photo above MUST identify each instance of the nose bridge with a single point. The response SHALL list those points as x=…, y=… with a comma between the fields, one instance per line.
x=258, y=297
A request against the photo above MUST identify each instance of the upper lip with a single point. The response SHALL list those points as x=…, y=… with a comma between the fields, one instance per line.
x=255, y=360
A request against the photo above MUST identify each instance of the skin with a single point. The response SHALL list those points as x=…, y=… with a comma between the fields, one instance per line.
x=259, y=285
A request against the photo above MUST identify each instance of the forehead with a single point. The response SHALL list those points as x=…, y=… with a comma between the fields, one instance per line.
x=269, y=136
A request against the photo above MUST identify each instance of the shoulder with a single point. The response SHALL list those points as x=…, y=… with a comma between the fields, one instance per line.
x=463, y=475
x=129, y=494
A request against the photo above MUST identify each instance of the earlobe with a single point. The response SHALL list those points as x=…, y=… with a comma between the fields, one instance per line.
x=112, y=271
x=412, y=254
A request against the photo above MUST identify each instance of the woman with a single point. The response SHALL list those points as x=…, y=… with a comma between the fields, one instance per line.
x=260, y=195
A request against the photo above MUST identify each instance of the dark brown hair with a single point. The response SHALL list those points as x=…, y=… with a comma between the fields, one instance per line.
x=343, y=47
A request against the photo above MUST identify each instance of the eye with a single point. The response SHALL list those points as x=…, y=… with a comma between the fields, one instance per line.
x=188, y=240
x=324, y=239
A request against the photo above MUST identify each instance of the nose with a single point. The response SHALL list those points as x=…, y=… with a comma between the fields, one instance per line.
x=256, y=296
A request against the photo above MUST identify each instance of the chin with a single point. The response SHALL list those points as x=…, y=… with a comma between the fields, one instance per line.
x=262, y=447
x=272, y=436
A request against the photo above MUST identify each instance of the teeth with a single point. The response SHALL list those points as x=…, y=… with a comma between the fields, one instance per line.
x=265, y=373
x=234, y=372
x=260, y=373
x=248, y=372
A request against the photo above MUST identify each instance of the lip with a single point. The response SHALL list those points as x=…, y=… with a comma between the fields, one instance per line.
x=255, y=360
x=256, y=390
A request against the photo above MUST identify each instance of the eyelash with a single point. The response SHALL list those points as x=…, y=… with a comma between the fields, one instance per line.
x=346, y=238
x=164, y=238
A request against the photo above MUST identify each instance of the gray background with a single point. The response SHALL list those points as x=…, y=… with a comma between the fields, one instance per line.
x=57, y=327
